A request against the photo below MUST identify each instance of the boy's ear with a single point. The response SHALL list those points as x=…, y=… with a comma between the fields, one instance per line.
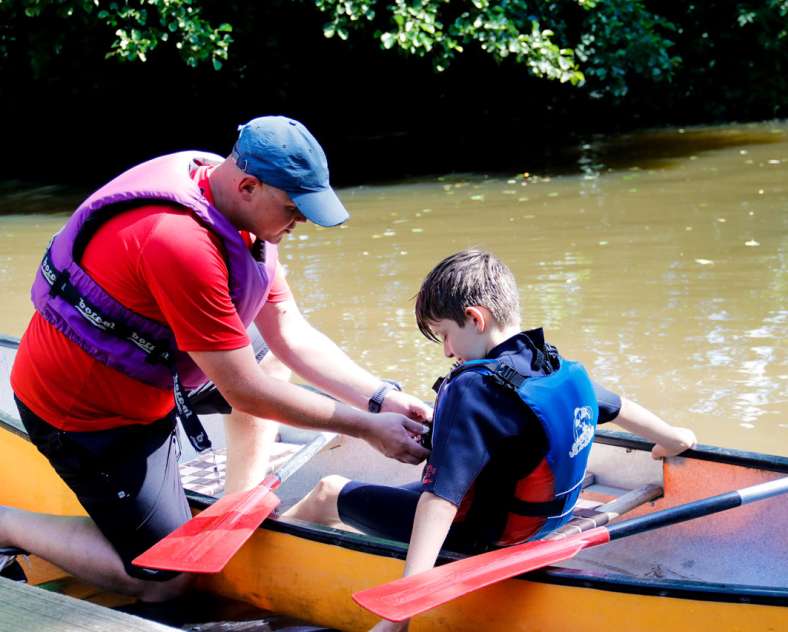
x=478, y=316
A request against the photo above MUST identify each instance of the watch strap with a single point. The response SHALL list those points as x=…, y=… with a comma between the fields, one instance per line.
x=376, y=401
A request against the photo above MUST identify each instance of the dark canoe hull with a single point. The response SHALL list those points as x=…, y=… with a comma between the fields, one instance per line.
x=726, y=572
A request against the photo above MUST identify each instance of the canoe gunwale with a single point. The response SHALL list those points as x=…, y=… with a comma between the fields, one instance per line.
x=681, y=589
x=597, y=580
x=613, y=582
x=701, y=452
x=12, y=342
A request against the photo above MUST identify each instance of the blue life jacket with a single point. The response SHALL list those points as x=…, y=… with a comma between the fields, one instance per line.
x=564, y=402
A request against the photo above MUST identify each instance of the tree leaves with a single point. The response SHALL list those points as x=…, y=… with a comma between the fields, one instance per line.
x=139, y=26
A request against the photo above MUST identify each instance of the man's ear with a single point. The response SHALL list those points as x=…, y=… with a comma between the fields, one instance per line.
x=247, y=186
x=478, y=316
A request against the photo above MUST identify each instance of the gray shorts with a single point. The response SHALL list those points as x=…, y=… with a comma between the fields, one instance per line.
x=126, y=479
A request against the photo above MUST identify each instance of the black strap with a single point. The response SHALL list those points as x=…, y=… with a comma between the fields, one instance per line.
x=189, y=420
x=545, y=509
x=156, y=352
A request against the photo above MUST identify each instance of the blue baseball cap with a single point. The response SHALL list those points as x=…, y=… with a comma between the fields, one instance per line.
x=281, y=152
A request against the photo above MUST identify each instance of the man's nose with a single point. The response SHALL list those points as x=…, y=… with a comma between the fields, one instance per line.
x=447, y=351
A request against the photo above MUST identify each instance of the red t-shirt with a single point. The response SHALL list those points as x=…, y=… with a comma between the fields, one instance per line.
x=161, y=263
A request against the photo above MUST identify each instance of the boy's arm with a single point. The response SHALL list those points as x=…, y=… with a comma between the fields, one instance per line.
x=669, y=440
x=431, y=525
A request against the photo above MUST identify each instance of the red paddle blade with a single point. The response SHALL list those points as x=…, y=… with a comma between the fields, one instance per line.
x=206, y=543
x=408, y=596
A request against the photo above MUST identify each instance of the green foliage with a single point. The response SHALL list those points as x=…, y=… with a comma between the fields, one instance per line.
x=734, y=56
x=604, y=46
x=621, y=40
x=138, y=26
x=441, y=29
x=638, y=52
x=770, y=17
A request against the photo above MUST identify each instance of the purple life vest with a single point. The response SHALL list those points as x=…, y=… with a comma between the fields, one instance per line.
x=109, y=332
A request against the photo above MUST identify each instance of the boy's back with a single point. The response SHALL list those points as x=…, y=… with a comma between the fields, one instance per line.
x=490, y=450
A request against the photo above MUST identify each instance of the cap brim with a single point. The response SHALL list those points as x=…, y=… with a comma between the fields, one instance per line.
x=323, y=208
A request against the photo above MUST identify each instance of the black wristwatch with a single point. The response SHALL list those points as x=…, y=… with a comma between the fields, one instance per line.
x=376, y=401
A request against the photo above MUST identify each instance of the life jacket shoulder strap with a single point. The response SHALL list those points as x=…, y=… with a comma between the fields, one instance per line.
x=537, y=509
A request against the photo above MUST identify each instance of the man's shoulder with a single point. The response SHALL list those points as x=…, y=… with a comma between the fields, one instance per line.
x=175, y=227
x=172, y=239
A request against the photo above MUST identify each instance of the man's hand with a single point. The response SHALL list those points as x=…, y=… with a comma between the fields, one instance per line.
x=408, y=405
x=682, y=439
x=397, y=437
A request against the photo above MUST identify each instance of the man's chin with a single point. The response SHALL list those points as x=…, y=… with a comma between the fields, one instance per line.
x=275, y=239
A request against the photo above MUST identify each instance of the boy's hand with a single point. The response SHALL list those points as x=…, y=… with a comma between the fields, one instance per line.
x=405, y=404
x=682, y=439
x=390, y=626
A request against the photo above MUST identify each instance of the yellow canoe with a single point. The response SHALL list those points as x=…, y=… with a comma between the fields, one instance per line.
x=727, y=572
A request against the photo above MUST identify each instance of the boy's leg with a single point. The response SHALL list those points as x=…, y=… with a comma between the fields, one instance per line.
x=380, y=510
x=320, y=504
x=377, y=510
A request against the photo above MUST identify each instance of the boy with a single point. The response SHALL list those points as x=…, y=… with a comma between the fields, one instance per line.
x=513, y=426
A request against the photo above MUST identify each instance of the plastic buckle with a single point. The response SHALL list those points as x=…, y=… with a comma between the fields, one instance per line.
x=507, y=376
x=60, y=283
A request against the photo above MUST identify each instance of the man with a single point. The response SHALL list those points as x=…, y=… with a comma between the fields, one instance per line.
x=150, y=287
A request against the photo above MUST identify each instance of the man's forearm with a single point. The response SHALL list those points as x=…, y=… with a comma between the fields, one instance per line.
x=315, y=357
x=344, y=379
x=247, y=389
x=239, y=378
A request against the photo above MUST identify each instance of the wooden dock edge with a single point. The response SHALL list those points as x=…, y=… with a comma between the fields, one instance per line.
x=24, y=607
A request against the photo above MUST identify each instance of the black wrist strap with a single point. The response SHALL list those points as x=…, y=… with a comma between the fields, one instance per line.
x=376, y=401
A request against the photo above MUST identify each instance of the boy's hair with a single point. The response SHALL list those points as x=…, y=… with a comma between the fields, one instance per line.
x=464, y=279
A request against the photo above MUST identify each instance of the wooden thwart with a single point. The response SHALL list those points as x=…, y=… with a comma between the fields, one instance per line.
x=603, y=514
x=24, y=607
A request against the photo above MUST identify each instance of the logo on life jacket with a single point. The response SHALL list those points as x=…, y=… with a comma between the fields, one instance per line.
x=143, y=344
x=583, y=430
x=49, y=274
x=93, y=317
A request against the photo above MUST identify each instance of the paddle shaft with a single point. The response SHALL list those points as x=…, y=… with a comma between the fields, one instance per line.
x=603, y=514
x=304, y=455
x=698, y=508
x=294, y=463
x=409, y=596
